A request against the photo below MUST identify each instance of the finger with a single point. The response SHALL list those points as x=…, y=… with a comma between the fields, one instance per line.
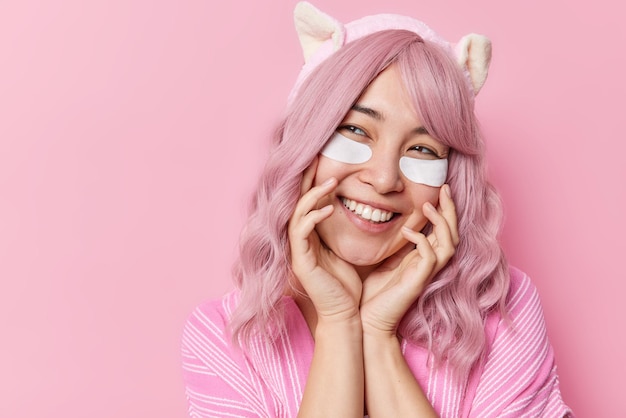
x=440, y=238
x=423, y=256
x=307, y=223
x=302, y=237
x=448, y=209
x=300, y=231
x=394, y=260
x=418, y=238
x=427, y=265
x=310, y=199
x=308, y=176
x=411, y=235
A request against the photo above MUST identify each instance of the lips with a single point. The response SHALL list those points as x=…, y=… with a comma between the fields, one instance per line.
x=367, y=212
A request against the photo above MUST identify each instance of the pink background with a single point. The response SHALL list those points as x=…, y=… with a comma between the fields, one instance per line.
x=131, y=132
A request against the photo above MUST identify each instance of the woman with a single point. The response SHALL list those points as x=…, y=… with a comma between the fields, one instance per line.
x=370, y=279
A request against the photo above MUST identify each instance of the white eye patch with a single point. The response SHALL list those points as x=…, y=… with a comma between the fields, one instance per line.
x=429, y=172
x=345, y=150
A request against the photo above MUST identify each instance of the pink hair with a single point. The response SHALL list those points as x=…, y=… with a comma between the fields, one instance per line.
x=449, y=316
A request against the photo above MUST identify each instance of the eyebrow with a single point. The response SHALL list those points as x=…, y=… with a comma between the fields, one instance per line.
x=379, y=116
x=368, y=111
x=421, y=131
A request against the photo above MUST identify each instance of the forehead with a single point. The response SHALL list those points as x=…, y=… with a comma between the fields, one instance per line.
x=387, y=100
x=387, y=82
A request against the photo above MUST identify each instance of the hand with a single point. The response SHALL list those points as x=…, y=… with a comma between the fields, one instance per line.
x=392, y=288
x=333, y=285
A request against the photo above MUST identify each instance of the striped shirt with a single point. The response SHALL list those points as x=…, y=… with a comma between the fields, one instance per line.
x=517, y=379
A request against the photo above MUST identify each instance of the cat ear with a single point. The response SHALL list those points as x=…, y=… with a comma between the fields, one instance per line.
x=315, y=27
x=474, y=54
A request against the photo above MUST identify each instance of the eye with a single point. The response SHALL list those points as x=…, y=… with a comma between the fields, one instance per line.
x=352, y=129
x=420, y=151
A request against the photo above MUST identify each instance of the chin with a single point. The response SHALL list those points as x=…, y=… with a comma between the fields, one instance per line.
x=362, y=257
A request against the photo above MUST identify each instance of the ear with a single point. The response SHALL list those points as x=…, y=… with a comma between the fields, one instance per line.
x=474, y=53
x=314, y=28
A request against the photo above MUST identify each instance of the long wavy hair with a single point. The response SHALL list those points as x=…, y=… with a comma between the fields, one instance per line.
x=448, y=318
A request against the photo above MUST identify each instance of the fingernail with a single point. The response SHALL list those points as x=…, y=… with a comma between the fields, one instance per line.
x=446, y=188
x=328, y=181
x=430, y=206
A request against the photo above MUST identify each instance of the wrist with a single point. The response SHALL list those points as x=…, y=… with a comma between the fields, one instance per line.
x=344, y=328
x=377, y=331
x=379, y=340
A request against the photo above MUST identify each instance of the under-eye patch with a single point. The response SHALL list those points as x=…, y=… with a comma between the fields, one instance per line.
x=345, y=150
x=429, y=172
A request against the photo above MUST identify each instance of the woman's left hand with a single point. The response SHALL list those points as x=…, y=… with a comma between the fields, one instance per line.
x=391, y=289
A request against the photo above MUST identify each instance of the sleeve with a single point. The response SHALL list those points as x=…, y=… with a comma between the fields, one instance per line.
x=216, y=384
x=520, y=377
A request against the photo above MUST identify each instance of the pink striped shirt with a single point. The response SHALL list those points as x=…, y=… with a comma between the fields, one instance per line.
x=518, y=378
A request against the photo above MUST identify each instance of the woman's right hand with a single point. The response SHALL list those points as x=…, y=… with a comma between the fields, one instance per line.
x=333, y=285
x=330, y=307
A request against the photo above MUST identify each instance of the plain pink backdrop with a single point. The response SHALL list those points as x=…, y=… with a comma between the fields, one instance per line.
x=131, y=132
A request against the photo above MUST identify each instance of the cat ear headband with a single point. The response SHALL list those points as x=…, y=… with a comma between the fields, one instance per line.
x=321, y=35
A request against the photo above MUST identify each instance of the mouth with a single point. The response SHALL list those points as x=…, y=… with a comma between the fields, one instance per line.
x=367, y=212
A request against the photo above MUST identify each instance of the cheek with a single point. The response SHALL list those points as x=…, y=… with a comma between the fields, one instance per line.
x=327, y=168
x=421, y=194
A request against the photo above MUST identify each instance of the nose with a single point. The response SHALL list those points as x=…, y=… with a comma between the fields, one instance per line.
x=382, y=172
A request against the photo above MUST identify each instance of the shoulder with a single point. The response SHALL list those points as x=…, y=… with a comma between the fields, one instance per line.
x=520, y=370
x=517, y=337
x=217, y=309
x=208, y=322
x=523, y=312
x=522, y=292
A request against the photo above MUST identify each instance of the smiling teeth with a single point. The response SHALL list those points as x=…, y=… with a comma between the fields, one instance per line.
x=367, y=212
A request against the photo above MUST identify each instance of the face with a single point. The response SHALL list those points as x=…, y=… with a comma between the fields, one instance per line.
x=373, y=199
